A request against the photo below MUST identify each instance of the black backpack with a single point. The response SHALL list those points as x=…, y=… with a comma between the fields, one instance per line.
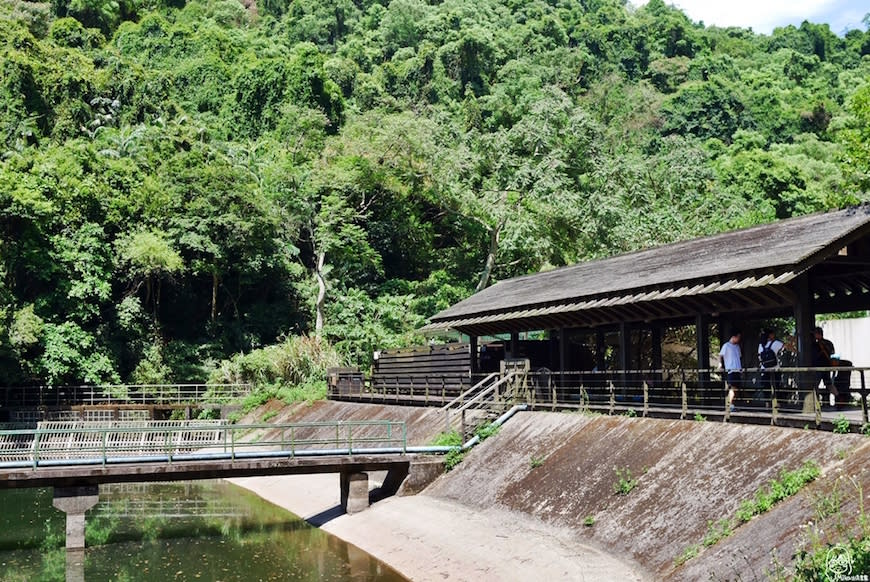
x=767, y=357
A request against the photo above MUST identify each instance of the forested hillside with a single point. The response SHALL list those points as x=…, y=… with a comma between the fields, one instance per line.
x=182, y=181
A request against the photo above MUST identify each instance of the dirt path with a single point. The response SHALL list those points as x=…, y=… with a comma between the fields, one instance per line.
x=426, y=538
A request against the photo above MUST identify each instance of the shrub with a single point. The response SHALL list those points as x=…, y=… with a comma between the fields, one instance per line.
x=297, y=361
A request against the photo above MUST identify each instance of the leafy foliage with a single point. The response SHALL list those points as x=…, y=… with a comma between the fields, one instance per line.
x=183, y=181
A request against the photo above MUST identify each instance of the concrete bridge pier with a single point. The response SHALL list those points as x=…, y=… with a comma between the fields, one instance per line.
x=75, y=501
x=75, y=565
x=354, y=491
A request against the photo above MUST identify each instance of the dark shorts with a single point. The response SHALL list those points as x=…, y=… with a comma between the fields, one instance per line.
x=734, y=379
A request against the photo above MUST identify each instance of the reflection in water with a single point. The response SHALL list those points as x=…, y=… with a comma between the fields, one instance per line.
x=204, y=530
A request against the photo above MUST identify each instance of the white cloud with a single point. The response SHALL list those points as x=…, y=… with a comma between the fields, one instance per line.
x=764, y=15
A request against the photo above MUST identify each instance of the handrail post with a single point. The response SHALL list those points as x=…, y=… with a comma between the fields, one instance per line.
x=863, y=398
x=684, y=394
x=404, y=438
x=36, y=436
x=105, y=445
x=553, y=392
x=645, y=398
x=612, y=397
x=774, y=403
x=728, y=405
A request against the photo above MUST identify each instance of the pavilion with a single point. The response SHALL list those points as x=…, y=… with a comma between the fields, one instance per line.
x=794, y=268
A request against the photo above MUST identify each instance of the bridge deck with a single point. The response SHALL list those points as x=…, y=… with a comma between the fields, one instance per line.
x=73, y=476
x=78, y=454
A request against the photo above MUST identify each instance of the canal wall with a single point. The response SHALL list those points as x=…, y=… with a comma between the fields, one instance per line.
x=562, y=470
x=423, y=424
x=565, y=470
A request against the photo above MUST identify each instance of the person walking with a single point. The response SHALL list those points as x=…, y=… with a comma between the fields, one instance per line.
x=730, y=360
x=768, y=360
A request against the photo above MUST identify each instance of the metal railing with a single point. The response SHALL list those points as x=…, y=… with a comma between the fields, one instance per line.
x=174, y=441
x=491, y=395
x=802, y=392
x=123, y=394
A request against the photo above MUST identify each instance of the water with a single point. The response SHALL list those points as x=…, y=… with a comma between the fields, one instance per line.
x=198, y=531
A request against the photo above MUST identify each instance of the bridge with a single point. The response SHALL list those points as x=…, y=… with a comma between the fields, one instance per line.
x=77, y=457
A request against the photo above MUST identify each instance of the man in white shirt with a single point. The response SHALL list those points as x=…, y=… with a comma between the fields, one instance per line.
x=730, y=361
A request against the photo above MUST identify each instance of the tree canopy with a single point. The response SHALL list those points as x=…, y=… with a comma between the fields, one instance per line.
x=183, y=180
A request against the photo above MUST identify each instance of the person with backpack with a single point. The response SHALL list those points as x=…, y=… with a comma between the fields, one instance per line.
x=768, y=360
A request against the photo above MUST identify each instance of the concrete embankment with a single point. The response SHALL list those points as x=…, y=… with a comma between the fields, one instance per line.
x=548, y=479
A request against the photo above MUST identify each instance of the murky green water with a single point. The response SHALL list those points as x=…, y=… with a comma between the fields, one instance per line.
x=204, y=530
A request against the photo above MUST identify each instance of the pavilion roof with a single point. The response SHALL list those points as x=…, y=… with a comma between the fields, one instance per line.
x=750, y=265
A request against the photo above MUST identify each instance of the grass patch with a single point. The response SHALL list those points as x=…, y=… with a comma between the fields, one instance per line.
x=689, y=553
x=700, y=417
x=307, y=392
x=717, y=530
x=450, y=438
x=486, y=430
x=589, y=520
x=536, y=462
x=624, y=481
x=270, y=415
x=835, y=540
x=842, y=425
x=788, y=484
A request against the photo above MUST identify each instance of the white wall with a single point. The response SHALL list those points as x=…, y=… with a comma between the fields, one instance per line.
x=851, y=338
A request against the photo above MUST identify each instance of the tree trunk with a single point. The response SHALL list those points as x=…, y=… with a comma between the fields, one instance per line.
x=214, y=290
x=494, y=236
x=321, y=293
x=148, y=297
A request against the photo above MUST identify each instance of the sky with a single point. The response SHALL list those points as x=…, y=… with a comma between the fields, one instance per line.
x=765, y=15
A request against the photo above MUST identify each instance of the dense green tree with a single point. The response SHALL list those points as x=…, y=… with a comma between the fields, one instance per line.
x=184, y=180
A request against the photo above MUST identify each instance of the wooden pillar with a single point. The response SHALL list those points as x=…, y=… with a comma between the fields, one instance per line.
x=472, y=348
x=702, y=346
x=804, y=321
x=624, y=346
x=624, y=352
x=656, y=340
x=563, y=350
x=600, y=348
x=515, y=344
